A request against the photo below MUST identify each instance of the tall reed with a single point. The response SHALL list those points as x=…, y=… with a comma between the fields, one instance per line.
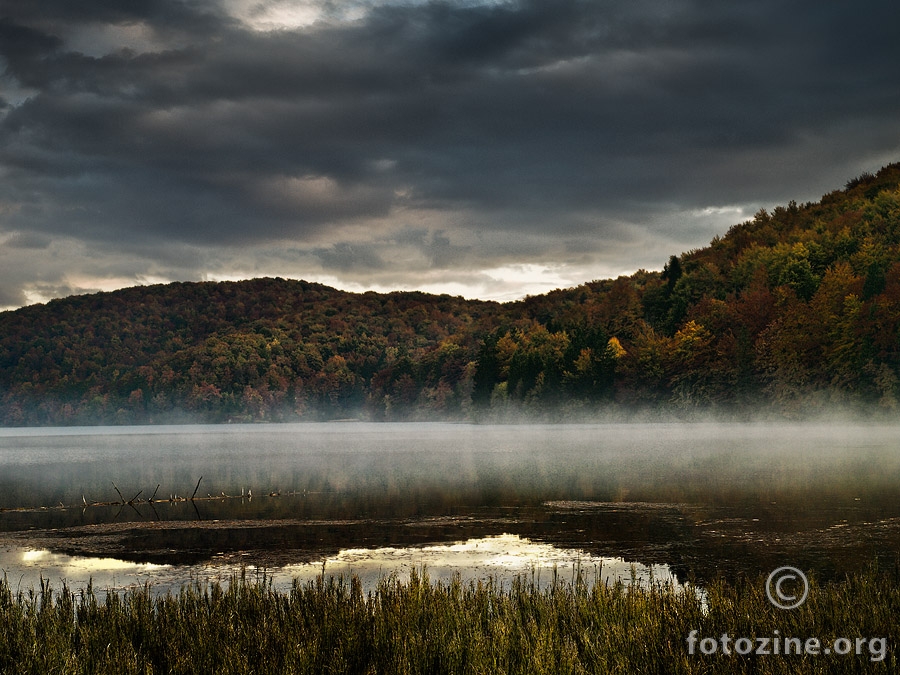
x=333, y=626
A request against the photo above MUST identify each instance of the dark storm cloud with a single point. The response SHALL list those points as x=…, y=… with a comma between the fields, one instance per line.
x=173, y=16
x=563, y=119
x=344, y=256
x=27, y=240
x=11, y=297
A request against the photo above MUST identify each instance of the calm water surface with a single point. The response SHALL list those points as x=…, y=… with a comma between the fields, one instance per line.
x=674, y=501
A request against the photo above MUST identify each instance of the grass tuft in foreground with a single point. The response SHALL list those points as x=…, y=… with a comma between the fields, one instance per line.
x=331, y=626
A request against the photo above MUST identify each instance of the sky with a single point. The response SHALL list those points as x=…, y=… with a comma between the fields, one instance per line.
x=479, y=148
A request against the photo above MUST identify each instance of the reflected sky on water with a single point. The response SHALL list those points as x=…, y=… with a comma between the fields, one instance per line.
x=498, y=558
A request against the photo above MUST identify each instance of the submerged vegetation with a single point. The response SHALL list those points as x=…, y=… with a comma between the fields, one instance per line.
x=331, y=626
x=794, y=311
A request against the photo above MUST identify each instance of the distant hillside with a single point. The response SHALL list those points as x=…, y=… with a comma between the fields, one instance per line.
x=793, y=311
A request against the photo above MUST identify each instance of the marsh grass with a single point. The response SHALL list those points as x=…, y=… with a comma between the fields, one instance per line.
x=332, y=626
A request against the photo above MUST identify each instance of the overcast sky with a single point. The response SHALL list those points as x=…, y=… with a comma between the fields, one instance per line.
x=487, y=149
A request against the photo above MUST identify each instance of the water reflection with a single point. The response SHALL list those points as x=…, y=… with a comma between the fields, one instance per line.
x=25, y=568
x=500, y=558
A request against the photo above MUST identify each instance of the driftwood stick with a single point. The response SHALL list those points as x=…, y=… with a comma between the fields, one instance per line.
x=196, y=488
x=172, y=499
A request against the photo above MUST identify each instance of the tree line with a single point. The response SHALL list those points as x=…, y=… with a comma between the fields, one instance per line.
x=792, y=311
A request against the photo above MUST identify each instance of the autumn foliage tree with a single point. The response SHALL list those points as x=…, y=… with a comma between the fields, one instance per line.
x=793, y=310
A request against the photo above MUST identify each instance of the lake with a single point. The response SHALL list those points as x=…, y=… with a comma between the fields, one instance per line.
x=670, y=502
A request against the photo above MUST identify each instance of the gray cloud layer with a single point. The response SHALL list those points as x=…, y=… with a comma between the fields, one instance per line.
x=157, y=139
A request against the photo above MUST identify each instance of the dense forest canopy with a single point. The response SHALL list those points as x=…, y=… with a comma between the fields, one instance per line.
x=791, y=312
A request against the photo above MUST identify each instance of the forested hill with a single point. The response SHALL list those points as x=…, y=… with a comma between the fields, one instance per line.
x=793, y=311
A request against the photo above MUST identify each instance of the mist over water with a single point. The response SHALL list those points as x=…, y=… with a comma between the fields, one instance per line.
x=701, y=498
x=42, y=467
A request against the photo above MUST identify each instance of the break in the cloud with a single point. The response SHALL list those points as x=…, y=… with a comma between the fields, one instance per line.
x=485, y=148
